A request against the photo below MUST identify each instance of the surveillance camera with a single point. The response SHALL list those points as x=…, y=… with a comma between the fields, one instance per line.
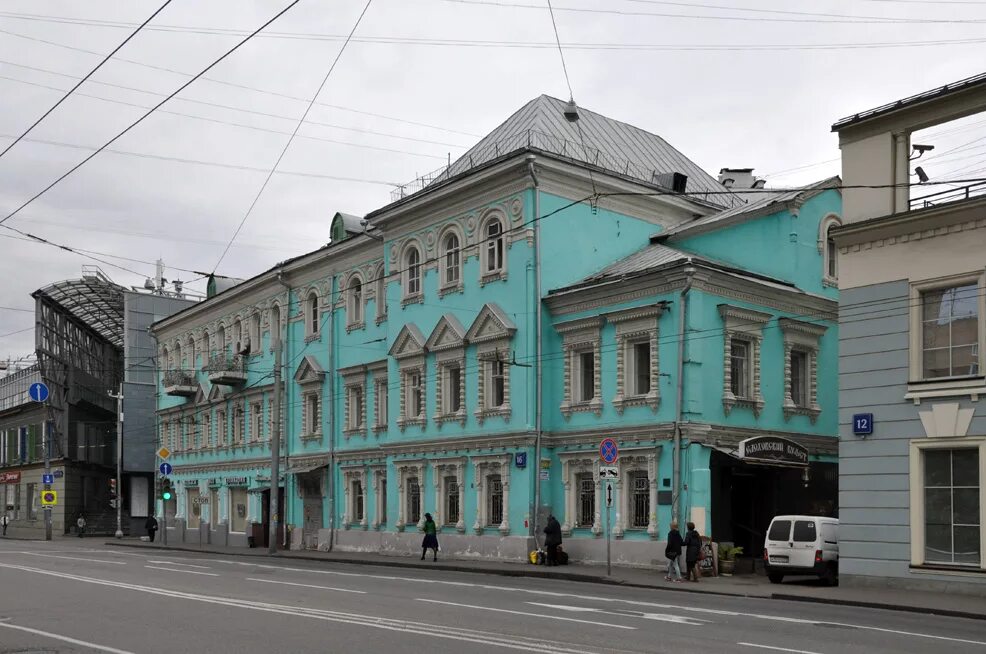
x=364, y=222
x=923, y=148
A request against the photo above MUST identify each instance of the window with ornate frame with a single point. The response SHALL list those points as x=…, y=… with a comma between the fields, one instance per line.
x=354, y=303
x=492, y=333
x=206, y=429
x=451, y=262
x=255, y=345
x=802, y=341
x=312, y=403
x=409, y=350
x=221, y=428
x=493, y=248
x=491, y=480
x=410, y=499
x=414, y=498
x=447, y=342
x=379, y=480
x=312, y=319
x=450, y=492
x=583, y=492
x=378, y=370
x=354, y=383
x=256, y=421
x=238, y=424
x=827, y=248
x=356, y=492
x=582, y=376
x=637, y=492
x=412, y=274
x=275, y=325
x=637, y=366
x=309, y=377
x=742, y=338
x=380, y=293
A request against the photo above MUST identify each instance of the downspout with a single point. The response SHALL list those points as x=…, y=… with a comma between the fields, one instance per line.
x=279, y=397
x=332, y=413
x=537, y=347
x=676, y=461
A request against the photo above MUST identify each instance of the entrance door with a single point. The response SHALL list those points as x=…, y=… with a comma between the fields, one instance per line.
x=265, y=517
x=311, y=489
x=193, y=509
x=804, y=535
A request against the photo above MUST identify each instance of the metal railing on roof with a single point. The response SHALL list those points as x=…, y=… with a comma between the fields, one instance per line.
x=949, y=195
x=537, y=140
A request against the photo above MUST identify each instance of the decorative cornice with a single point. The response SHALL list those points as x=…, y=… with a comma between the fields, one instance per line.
x=748, y=316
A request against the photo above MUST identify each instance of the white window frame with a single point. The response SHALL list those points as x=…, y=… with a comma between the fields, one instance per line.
x=380, y=293
x=972, y=386
x=408, y=279
x=410, y=351
x=313, y=304
x=747, y=325
x=354, y=388
x=573, y=464
x=825, y=226
x=256, y=421
x=355, y=302
x=632, y=463
x=239, y=419
x=206, y=429
x=222, y=428
x=274, y=324
x=441, y=471
x=351, y=519
x=448, y=343
x=483, y=468
x=309, y=377
x=917, y=449
x=490, y=269
x=579, y=337
x=407, y=470
x=378, y=475
x=804, y=337
x=633, y=327
x=311, y=425
x=450, y=262
x=378, y=370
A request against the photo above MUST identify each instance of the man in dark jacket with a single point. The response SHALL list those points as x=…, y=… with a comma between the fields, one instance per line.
x=673, y=552
x=151, y=526
x=693, y=546
x=552, y=539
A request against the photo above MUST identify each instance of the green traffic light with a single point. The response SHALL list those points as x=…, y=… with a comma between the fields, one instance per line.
x=166, y=495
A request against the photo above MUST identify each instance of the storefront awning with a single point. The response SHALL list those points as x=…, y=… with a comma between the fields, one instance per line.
x=301, y=469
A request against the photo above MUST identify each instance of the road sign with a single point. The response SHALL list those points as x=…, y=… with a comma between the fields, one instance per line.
x=609, y=473
x=38, y=392
x=59, y=474
x=862, y=424
x=609, y=495
x=49, y=498
x=520, y=459
x=165, y=468
x=47, y=479
x=164, y=453
x=608, y=451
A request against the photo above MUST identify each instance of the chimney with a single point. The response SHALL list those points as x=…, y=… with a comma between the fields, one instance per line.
x=737, y=178
x=676, y=182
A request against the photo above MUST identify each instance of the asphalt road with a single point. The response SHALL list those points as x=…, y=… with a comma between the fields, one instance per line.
x=66, y=596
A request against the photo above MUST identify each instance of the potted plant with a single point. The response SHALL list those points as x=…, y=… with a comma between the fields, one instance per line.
x=727, y=559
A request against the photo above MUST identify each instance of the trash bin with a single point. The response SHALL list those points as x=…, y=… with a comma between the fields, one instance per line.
x=251, y=542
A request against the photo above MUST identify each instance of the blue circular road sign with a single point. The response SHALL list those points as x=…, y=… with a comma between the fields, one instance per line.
x=38, y=392
x=165, y=468
x=608, y=451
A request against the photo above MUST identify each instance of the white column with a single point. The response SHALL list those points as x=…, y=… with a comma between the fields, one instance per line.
x=460, y=476
x=478, y=483
x=436, y=472
x=622, y=503
x=376, y=498
x=597, y=527
x=652, y=494
x=505, y=480
x=347, y=500
x=366, y=500
x=421, y=496
x=400, y=499
x=569, y=502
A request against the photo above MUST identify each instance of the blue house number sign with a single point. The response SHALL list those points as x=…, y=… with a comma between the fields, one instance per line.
x=520, y=459
x=862, y=424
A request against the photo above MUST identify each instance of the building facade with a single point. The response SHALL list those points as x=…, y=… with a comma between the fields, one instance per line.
x=463, y=350
x=912, y=429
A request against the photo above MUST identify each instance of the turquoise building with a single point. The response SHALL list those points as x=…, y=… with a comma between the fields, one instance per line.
x=463, y=350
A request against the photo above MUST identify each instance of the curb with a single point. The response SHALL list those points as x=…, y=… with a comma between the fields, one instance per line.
x=925, y=610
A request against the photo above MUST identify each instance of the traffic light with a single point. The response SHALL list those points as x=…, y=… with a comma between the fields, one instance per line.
x=166, y=491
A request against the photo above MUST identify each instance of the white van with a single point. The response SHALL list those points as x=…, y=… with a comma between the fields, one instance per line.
x=802, y=545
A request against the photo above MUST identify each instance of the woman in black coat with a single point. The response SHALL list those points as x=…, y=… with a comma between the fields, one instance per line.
x=673, y=553
x=693, y=546
x=552, y=539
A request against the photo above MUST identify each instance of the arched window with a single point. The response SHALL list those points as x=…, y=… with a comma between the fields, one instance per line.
x=190, y=352
x=451, y=270
x=412, y=272
x=221, y=340
x=237, y=337
x=355, y=301
x=179, y=363
x=493, y=259
x=275, y=324
x=380, y=279
x=204, y=348
x=313, y=321
x=166, y=362
x=254, y=343
x=828, y=249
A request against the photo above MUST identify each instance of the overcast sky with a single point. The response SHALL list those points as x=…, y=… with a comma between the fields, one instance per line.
x=727, y=82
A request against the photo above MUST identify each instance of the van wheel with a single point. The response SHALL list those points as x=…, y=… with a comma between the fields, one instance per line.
x=775, y=577
x=831, y=575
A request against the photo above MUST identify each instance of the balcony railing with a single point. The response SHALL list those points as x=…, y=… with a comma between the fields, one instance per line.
x=226, y=370
x=180, y=383
x=948, y=195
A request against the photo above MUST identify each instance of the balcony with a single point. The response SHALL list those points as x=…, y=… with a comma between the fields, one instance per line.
x=976, y=190
x=226, y=370
x=179, y=383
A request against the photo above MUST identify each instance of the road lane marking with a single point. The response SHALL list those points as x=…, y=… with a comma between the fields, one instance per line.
x=75, y=558
x=660, y=617
x=430, y=631
x=525, y=613
x=777, y=649
x=188, y=572
x=187, y=565
x=288, y=583
x=74, y=641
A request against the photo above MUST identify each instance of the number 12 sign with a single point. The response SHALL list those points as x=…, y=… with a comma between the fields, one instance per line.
x=862, y=424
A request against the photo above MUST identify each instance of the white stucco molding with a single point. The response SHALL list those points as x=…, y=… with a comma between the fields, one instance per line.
x=573, y=464
x=580, y=336
x=483, y=467
x=803, y=336
x=634, y=326
x=748, y=325
x=451, y=467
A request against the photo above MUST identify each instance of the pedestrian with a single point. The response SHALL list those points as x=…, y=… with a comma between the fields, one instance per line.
x=430, y=541
x=81, y=525
x=552, y=539
x=673, y=553
x=693, y=547
x=151, y=526
x=3, y=522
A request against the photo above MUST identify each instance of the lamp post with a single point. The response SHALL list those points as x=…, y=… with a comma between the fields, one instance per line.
x=119, y=460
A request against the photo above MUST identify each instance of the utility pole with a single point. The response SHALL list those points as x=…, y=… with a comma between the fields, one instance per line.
x=46, y=430
x=119, y=460
x=275, y=454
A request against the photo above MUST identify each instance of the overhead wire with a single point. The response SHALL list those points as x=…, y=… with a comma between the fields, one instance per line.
x=149, y=112
x=287, y=145
x=86, y=77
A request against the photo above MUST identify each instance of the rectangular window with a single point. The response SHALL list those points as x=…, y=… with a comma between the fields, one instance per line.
x=381, y=402
x=951, y=506
x=779, y=530
x=206, y=430
x=17, y=502
x=950, y=331
x=451, y=501
x=451, y=388
x=413, y=501
x=221, y=429
x=257, y=419
x=355, y=407
x=498, y=383
x=357, y=494
x=799, y=377
x=804, y=531
x=641, y=369
x=313, y=414
x=415, y=403
x=238, y=426
x=586, y=486
x=237, y=509
x=639, y=500
x=740, y=363
x=494, y=501
x=587, y=376
x=383, y=500
x=32, y=501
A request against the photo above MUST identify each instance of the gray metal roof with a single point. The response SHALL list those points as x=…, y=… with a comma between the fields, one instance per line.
x=610, y=144
x=650, y=257
x=93, y=299
x=767, y=202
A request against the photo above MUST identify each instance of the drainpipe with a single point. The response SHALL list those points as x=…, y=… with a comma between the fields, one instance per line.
x=332, y=413
x=278, y=439
x=537, y=347
x=680, y=403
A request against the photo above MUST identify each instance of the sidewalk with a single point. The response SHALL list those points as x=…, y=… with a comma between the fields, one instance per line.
x=808, y=590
